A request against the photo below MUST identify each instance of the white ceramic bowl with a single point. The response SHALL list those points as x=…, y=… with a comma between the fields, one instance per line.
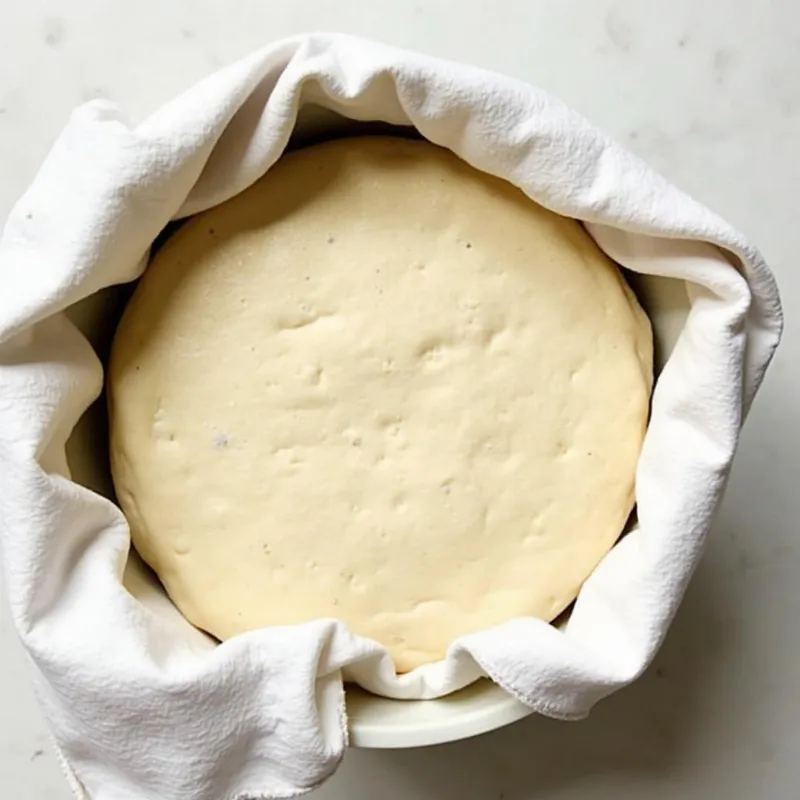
x=378, y=722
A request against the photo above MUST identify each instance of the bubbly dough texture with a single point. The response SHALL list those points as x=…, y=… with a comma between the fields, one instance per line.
x=383, y=387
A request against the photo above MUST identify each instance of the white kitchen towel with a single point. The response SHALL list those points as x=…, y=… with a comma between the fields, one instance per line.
x=142, y=706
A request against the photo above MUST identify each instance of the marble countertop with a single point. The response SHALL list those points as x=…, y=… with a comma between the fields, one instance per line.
x=710, y=99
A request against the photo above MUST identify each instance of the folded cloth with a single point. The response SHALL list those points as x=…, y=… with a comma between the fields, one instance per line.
x=142, y=705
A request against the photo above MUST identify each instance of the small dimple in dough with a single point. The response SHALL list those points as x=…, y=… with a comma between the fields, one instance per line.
x=383, y=387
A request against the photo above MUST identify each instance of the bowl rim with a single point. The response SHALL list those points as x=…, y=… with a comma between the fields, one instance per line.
x=383, y=723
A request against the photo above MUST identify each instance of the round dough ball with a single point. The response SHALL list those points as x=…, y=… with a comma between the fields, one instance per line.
x=379, y=386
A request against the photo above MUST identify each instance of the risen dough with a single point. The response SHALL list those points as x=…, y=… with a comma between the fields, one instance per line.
x=378, y=386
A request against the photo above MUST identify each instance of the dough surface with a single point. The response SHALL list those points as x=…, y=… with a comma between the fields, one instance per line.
x=383, y=387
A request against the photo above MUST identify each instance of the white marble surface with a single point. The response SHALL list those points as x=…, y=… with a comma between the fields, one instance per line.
x=711, y=99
